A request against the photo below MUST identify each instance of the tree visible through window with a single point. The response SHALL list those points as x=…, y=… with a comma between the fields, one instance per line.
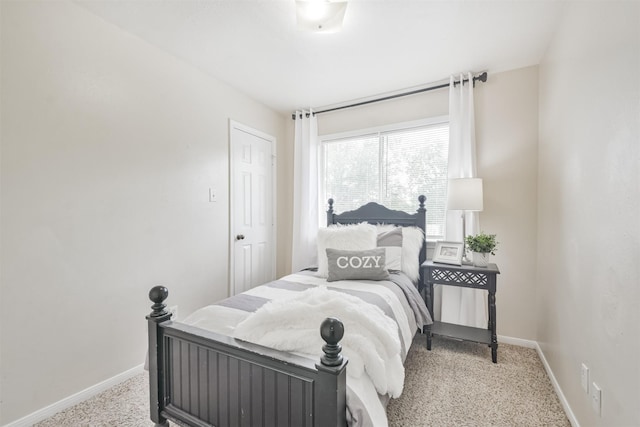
x=392, y=167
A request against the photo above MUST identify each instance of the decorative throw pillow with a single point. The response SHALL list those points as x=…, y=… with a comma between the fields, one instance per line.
x=412, y=242
x=356, y=265
x=345, y=237
x=391, y=241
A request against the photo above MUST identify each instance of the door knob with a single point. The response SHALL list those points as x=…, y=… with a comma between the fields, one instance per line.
x=240, y=237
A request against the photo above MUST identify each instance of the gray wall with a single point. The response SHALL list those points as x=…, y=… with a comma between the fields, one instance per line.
x=109, y=147
x=589, y=206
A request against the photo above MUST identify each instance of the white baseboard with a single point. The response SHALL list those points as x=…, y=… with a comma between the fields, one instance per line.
x=516, y=341
x=49, y=411
x=563, y=400
x=534, y=344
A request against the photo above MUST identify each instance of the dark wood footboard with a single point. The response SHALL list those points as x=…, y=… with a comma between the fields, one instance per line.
x=201, y=378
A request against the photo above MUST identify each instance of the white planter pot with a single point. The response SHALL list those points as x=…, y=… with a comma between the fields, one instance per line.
x=481, y=259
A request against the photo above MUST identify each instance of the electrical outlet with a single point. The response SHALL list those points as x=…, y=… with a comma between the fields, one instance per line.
x=584, y=377
x=596, y=398
x=174, y=312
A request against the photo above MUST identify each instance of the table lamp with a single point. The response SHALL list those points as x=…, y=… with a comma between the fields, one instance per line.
x=465, y=194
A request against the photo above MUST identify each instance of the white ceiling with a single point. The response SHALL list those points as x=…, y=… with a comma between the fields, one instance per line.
x=385, y=45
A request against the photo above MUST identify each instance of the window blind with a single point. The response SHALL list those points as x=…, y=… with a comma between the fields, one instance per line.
x=392, y=167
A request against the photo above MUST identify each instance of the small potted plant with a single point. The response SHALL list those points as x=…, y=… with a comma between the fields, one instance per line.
x=481, y=245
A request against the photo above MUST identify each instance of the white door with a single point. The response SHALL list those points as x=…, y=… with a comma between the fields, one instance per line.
x=252, y=208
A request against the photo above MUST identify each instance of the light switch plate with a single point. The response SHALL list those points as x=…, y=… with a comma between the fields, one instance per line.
x=584, y=377
x=596, y=398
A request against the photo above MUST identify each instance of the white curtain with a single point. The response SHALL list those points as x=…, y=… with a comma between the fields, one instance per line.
x=305, y=191
x=462, y=306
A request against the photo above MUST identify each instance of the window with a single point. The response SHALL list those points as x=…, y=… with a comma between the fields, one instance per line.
x=391, y=165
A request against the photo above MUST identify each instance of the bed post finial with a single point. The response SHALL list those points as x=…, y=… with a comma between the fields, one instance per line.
x=422, y=199
x=157, y=295
x=331, y=331
x=330, y=212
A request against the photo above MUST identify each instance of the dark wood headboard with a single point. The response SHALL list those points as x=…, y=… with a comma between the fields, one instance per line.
x=375, y=213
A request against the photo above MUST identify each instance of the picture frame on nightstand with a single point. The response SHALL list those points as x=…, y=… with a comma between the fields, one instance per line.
x=448, y=252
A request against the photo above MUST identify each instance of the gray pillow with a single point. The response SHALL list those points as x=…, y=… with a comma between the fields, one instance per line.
x=356, y=265
x=391, y=241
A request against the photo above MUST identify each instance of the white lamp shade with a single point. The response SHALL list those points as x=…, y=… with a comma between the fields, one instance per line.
x=465, y=194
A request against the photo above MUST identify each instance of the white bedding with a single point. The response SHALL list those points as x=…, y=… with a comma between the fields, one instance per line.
x=377, y=337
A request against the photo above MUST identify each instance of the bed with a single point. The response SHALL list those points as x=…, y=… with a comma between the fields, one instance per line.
x=242, y=362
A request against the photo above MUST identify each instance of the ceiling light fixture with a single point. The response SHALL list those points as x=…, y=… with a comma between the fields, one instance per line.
x=320, y=16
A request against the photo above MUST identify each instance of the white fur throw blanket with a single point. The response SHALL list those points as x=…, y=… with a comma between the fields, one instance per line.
x=370, y=339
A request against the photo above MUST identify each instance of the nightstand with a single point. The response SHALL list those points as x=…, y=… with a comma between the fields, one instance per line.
x=465, y=276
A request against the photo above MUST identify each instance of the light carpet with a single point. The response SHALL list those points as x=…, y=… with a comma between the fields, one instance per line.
x=455, y=384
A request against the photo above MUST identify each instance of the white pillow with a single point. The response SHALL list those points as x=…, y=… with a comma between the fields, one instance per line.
x=344, y=237
x=412, y=241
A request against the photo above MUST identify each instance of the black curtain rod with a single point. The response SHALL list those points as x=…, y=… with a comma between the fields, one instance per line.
x=482, y=77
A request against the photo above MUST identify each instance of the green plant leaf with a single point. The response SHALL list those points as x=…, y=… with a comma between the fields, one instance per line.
x=482, y=242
